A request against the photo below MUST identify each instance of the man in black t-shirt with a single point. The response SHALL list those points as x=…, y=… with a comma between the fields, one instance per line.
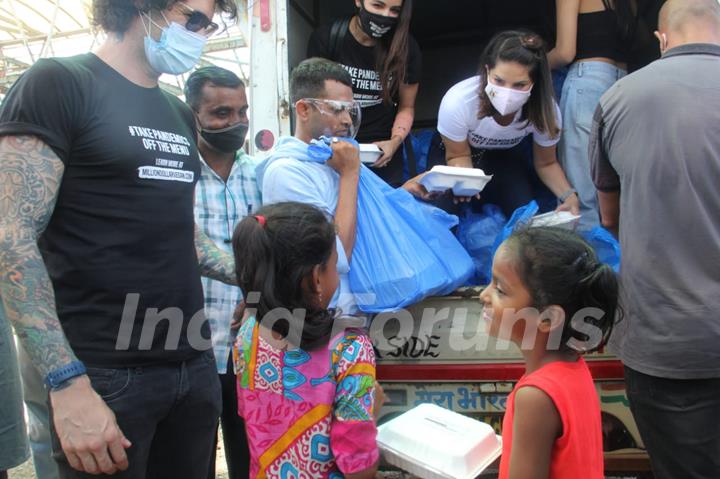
x=100, y=259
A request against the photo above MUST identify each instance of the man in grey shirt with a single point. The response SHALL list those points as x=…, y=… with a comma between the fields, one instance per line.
x=655, y=155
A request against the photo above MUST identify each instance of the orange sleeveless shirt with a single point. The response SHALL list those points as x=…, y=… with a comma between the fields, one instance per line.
x=579, y=451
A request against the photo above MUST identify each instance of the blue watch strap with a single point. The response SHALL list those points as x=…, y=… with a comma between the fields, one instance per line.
x=57, y=377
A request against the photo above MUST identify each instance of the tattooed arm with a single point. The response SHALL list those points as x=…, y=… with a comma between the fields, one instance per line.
x=214, y=262
x=30, y=175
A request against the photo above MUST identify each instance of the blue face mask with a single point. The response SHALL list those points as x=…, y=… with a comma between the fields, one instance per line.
x=177, y=51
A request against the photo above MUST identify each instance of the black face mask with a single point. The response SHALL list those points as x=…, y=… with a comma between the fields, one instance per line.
x=227, y=140
x=377, y=26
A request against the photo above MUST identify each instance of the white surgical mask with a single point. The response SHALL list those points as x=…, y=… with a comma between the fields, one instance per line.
x=177, y=51
x=507, y=100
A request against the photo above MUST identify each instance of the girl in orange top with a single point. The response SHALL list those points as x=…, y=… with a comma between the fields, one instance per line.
x=551, y=297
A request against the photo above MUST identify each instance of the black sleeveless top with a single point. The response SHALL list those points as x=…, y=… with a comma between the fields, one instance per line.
x=598, y=35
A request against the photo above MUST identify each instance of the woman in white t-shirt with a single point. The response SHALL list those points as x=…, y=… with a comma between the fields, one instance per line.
x=483, y=119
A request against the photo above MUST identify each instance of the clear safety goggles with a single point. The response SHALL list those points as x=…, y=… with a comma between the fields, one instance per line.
x=348, y=113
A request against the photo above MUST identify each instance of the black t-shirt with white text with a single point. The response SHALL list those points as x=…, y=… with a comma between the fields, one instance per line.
x=121, y=239
x=360, y=62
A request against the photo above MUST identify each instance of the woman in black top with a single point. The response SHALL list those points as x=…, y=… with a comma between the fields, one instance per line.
x=594, y=37
x=376, y=48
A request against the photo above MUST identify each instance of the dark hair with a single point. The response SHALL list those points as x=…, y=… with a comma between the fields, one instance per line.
x=308, y=78
x=391, y=54
x=626, y=18
x=202, y=76
x=559, y=268
x=277, y=260
x=527, y=49
x=117, y=15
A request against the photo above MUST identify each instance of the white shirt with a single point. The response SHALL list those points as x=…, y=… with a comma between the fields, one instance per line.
x=458, y=121
x=288, y=179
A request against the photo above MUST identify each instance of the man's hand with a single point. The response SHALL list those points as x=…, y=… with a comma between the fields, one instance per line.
x=416, y=189
x=464, y=199
x=345, y=158
x=87, y=429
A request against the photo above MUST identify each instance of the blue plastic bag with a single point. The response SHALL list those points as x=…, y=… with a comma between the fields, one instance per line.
x=404, y=249
x=420, y=142
x=477, y=233
x=519, y=218
x=606, y=246
x=434, y=226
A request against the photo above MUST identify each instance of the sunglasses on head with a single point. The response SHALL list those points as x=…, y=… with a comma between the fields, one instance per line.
x=197, y=22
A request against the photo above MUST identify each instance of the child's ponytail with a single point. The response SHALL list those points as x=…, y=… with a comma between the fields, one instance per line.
x=597, y=293
x=276, y=252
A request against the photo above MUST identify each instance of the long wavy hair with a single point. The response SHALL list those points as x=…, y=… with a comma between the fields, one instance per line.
x=626, y=17
x=392, y=54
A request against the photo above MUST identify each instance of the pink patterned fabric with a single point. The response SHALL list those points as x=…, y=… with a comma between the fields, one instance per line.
x=307, y=414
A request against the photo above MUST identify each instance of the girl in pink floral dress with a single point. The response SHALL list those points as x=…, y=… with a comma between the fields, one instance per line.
x=307, y=393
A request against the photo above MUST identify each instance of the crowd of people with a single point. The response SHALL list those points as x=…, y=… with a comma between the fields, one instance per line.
x=144, y=255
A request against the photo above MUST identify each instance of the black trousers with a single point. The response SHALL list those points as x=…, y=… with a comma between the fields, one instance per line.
x=679, y=421
x=237, y=453
x=168, y=412
x=512, y=183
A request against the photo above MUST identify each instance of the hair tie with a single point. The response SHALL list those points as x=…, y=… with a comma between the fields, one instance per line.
x=261, y=219
x=532, y=42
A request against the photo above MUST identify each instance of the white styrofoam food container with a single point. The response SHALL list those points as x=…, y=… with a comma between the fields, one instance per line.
x=370, y=153
x=462, y=181
x=561, y=219
x=435, y=443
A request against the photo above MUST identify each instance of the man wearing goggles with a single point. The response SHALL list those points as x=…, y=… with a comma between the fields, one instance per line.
x=101, y=276
x=321, y=91
x=343, y=117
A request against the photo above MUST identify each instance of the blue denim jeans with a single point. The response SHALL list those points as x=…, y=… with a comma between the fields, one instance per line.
x=169, y=413
x=13, y=437
x=585, y=84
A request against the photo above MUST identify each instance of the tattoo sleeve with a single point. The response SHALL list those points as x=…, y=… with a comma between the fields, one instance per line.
x=30, y=175
x=214, y=262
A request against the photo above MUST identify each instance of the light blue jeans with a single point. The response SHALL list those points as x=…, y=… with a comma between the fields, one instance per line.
x=585, y=84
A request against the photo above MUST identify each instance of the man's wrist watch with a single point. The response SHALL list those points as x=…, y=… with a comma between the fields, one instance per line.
x=567, y=195
x=58, y=378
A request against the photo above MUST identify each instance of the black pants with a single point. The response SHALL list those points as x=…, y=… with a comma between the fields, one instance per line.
x=511, y=186
x=169, y=413
x=237, y=454
x=3, y=475
x=679, y=421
